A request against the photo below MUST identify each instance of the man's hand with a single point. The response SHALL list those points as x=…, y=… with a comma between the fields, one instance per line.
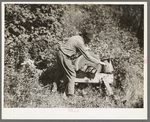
x=87, y=48
x=102, y=63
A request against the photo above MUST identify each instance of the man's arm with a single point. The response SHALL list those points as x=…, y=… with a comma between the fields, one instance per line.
x=86, y=54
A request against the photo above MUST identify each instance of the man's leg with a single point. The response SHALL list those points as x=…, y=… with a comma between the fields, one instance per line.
x=69, y=90
x=69, y=73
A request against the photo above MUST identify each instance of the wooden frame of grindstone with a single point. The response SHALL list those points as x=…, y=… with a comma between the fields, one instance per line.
x=99, y=77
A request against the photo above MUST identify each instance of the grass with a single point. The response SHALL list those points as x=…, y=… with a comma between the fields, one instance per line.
x=87, y=96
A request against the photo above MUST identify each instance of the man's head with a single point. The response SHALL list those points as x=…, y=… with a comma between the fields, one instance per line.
x=88, y=36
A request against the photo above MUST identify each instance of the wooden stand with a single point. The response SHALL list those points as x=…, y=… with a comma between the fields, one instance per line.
x=99, y=77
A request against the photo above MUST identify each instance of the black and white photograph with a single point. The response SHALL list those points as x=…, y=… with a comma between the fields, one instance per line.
x=74, y=58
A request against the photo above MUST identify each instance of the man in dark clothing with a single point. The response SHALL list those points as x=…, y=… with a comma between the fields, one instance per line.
x=65, y=68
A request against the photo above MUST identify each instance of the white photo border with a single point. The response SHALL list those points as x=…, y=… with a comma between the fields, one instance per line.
x=85, y=113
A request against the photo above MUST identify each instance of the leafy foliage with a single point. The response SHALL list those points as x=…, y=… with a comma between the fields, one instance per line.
x=32, y=32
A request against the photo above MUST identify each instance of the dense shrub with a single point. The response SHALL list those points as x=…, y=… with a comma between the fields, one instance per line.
x=32, y=32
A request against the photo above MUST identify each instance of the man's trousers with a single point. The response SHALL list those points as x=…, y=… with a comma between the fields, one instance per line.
x=65, y=71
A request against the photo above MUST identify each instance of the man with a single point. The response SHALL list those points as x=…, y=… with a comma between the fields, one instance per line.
x=65, y=68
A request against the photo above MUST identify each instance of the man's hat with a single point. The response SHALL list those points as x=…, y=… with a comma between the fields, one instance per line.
x=89, y=34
